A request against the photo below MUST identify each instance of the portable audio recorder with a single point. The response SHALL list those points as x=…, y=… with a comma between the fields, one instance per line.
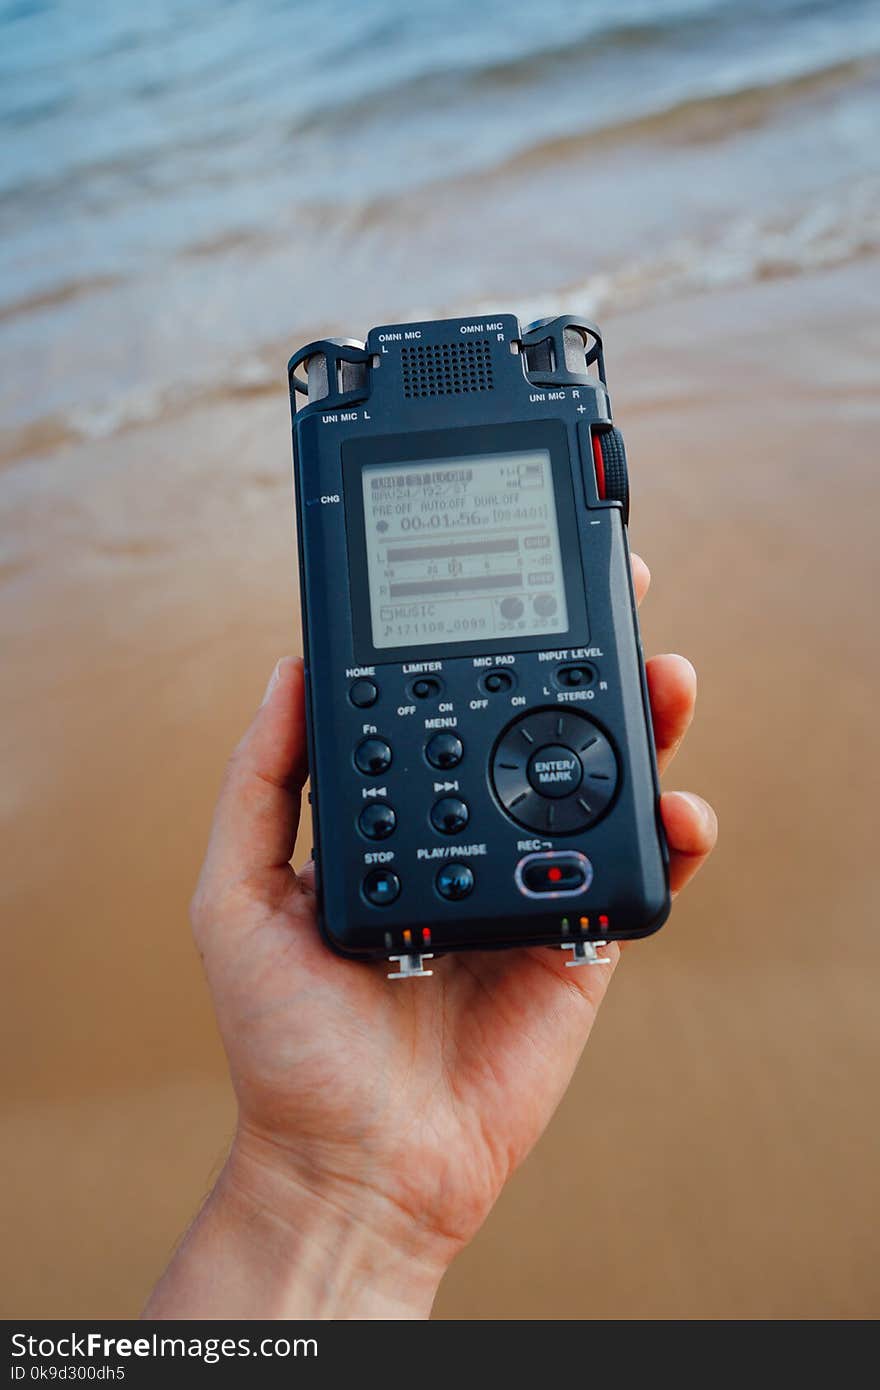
x=481, y=755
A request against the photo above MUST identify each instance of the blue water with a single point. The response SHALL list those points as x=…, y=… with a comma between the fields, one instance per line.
x=187, y=185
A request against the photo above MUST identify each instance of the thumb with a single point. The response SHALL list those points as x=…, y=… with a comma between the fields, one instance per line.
x=258, y=809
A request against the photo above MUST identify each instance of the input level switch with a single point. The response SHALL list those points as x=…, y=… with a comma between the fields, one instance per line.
x=575, y=677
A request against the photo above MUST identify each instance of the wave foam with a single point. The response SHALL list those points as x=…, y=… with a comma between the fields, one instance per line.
x=832, y=232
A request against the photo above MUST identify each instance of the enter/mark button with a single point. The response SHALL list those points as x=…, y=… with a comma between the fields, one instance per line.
x=555, y=770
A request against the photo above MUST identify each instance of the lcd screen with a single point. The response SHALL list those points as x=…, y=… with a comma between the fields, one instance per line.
x=463, y=550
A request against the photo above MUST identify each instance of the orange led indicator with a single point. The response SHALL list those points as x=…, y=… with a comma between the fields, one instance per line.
x=407, y=936
x=585, y=923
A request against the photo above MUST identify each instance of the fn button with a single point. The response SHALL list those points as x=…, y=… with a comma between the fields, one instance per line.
x=372, y=756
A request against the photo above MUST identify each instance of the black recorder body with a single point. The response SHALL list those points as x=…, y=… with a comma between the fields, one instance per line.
x=482, y=761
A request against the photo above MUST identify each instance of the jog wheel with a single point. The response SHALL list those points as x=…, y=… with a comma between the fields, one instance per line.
x=609, y=456
x=554, y=771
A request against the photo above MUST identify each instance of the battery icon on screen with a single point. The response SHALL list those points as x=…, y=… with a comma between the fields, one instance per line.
x=531, y=474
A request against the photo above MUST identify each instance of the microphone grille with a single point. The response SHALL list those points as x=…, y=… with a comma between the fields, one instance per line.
x=446, y=369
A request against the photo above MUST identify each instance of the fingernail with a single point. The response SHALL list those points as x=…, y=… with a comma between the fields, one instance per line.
x=703, y=810
x=677, y=656
x=273, y=681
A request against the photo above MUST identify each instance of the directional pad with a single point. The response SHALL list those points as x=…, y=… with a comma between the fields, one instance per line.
x=554, y=771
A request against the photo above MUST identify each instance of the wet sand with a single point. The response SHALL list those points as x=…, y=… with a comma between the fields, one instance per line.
x=717, y=1153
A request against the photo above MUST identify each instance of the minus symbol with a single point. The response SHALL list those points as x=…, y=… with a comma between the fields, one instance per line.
x=595, y=523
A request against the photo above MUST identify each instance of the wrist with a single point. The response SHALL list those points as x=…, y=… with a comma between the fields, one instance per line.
x=275, y=1242
x=338, y=1247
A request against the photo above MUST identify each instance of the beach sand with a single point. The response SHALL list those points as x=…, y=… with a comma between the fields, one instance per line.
x=717, y=1153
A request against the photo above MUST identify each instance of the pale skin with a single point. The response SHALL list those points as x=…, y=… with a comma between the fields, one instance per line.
x=377, y=1121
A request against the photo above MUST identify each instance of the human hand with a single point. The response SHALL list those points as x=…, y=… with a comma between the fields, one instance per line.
x=377, y=1123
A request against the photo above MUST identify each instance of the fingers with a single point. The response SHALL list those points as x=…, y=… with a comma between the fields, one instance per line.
x=691, y=831
x=306, y=876
x=690, y=823
x=672, y=686
x=257, y=813
x=641, y=576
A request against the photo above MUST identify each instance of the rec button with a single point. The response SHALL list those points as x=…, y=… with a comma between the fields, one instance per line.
x=554, y=873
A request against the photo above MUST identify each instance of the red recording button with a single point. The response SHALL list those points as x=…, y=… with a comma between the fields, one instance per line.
x=553, y=873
